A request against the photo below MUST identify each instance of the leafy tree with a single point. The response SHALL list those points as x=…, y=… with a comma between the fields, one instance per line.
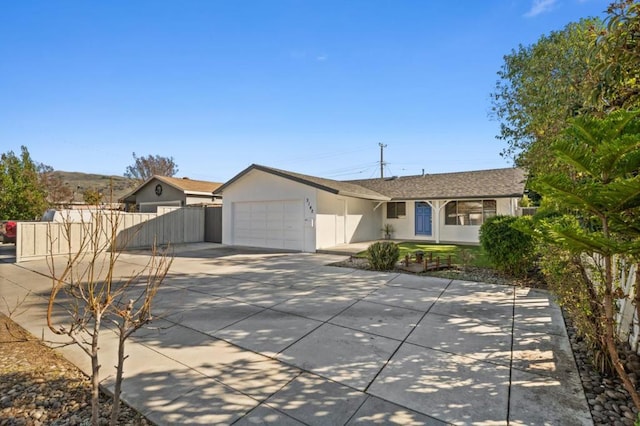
x=57, y=191
x=617, y=55
x=540, y=87
x=92, y=196
x=22, y=196
x=602, y=190
x=145, y=167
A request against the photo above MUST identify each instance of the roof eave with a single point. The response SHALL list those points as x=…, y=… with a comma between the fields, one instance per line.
x=364, y=196
x=460, y=197
x=209, y=194
x=276, y=173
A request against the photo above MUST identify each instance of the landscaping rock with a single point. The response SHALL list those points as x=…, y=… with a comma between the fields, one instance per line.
x=39, y=387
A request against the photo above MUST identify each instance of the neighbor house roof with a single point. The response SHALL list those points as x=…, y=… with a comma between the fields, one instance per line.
x=329, y=185
x=494, y=183
x=191, y=186
x=186, y=185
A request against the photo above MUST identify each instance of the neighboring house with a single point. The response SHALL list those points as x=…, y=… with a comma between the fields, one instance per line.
x=170, y=192
x=267, y=207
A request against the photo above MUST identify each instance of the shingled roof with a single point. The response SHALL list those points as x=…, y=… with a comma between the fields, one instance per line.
x=186, y=185
x=475, y=184
x=190, y=186
x=329, y=185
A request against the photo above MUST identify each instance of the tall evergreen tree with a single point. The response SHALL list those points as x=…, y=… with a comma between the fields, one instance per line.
x=602, y=189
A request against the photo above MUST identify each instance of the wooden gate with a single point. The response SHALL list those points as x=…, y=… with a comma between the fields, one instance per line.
x=213, y=224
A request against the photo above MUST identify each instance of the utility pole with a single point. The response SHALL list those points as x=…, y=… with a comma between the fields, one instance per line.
x=382, y=147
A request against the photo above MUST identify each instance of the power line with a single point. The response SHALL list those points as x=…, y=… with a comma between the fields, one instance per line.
x=352, y=167
x=353, y=170
x=325, y=155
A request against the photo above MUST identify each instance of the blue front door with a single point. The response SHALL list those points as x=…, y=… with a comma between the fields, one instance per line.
x=423, y=218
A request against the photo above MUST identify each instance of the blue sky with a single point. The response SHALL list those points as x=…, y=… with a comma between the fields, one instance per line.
x=307, y=86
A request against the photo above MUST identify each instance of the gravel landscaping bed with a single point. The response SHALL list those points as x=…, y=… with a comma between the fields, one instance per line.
x=609, y=402
x=39, y=387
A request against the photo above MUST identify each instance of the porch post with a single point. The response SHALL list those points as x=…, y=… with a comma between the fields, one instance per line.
x=436, y=221
x=435, y=218
x=440, y=204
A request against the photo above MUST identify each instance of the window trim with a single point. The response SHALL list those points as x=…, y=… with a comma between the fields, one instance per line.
x=395, y=214
x=487, y=212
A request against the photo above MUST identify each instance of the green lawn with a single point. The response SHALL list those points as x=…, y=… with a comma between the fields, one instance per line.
x=443, y=250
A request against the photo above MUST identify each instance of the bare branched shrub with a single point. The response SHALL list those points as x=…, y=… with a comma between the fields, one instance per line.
x=95, y=293
x=13, y=310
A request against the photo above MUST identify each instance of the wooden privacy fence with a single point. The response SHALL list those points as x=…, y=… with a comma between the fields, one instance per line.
x=627, y=317
x=213, y=224
x=627, y=321
x=36, y=240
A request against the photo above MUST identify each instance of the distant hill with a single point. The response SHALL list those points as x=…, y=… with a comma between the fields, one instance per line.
x=79, y=182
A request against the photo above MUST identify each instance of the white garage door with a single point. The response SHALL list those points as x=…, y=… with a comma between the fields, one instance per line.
x=273, y=224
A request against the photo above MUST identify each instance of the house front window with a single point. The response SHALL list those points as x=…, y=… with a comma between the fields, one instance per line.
x=473, y=212
x=396, y=209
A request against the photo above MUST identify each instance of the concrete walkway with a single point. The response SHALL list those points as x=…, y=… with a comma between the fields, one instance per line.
x=269, y=338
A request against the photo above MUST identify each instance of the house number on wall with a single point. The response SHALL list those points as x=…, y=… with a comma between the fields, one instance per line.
x=158, y=190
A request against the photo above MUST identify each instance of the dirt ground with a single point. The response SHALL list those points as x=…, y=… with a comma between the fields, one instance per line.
x=38, y=386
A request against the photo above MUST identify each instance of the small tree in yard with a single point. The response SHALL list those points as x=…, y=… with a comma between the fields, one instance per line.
x=97, y=294
x=602, y=194
x=92, y=196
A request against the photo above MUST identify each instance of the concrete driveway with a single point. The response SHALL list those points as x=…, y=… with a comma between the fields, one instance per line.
x=249, y=338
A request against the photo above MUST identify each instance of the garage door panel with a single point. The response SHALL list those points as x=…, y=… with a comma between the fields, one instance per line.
x=274, y=224
x=258, y=207
x=291, y=245
x=274, y=221
x=292, y=214
x=274, y=235
x=242, y=221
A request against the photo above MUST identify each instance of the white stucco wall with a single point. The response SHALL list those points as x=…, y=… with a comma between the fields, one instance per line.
x=345, y=220
x=404, y=228
x=330, y=220
x=363, y=223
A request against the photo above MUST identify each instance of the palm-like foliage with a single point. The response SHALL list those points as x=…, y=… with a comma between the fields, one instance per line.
x=604, y=156
x=601, y=191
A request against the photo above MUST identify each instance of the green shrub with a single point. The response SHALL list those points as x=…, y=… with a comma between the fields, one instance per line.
x=508, y=249
x=383, y=255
